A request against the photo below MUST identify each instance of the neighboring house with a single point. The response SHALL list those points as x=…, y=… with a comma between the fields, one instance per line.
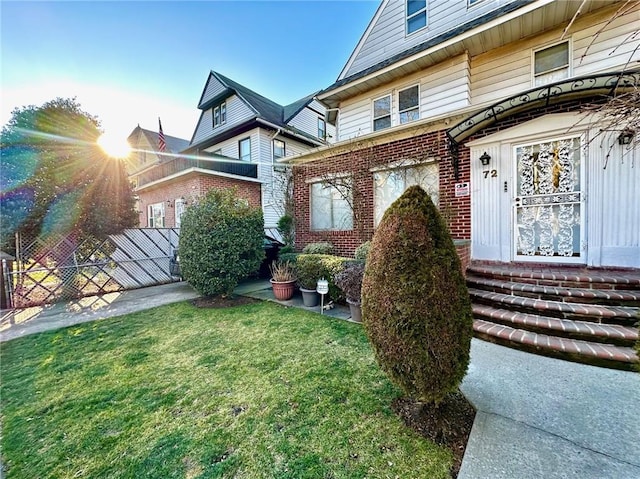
x=238, y=139
x=479, y=101
x=146, y=166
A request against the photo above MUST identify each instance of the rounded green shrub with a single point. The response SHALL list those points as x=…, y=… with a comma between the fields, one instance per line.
x=221, y=242
x=362, y=251
x=323, y=247
x=415, y=304
x=323, y=266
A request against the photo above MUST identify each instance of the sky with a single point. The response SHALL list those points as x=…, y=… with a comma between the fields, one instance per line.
x=130, y=63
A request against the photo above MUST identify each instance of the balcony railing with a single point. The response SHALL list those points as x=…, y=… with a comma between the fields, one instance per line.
x=177, y=165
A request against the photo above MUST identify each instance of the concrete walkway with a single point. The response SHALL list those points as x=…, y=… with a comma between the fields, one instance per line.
x=537, y=417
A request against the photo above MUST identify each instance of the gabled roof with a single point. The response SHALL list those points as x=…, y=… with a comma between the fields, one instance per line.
x=296, y=107
x=174, y=144
x=266, y=110
x=433, y=42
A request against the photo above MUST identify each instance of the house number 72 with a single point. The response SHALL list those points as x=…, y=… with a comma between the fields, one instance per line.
x=493, y=173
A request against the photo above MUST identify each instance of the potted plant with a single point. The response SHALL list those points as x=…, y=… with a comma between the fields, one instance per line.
x=283, y=280
x=309, y=270
x=349, y=280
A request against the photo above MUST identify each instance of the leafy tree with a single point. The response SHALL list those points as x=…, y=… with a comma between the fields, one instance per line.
x=221, y=242
x=56, y=179
x=415, y=304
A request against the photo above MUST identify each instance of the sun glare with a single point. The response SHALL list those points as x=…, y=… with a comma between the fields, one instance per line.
x=114, y=146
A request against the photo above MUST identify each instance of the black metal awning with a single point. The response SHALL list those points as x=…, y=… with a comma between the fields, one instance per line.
x=604, y=84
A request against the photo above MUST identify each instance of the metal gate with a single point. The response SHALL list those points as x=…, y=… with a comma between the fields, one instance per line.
x=56, y=269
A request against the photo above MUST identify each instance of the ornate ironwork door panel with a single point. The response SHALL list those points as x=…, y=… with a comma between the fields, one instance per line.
x=548, y=207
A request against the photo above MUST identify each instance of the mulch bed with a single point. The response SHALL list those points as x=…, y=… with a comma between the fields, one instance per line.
x=222, y=301
x=449, y=424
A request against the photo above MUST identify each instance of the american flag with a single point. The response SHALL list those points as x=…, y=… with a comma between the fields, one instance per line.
x=162, y=144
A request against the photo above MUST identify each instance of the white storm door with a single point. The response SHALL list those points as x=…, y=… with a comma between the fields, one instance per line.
x=549, y=202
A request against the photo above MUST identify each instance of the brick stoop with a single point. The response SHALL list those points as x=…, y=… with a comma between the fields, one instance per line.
x=587, y=315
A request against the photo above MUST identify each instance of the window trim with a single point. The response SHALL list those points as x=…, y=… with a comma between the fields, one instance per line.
x=373, y=112
x=323, y=135
x=151, y=218
x=473, y=3
x=569, y=44
x=414, y=15
x=178, y=211
x=219, y=115
x=240, y=156
x=402, y=165
x=400, y=122
x=284, y=148
x=318, y=181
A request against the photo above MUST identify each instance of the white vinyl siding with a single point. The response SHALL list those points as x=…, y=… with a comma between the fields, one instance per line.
x=307, y=120
x=236, y=111
x=212, y=89
x=387, y=37
x=443, y=88
x=508, y=70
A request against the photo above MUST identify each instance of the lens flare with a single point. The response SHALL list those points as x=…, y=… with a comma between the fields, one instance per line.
x=114, y=146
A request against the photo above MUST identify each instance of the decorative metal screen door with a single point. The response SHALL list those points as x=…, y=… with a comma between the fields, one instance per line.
x=548, y=207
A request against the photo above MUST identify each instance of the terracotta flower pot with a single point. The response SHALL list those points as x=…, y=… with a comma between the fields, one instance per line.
x=283, y=290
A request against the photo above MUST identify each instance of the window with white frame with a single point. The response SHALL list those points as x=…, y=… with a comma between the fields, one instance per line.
x=551, y=64
x=408, y=104
x=220, y=115
x=416, y=15
x=278, y=149
x=178, y=211
x=322, y=128
x=155, y=215
x=330, y=205
x=244, y=147
x=382, y=113
x=390, y=184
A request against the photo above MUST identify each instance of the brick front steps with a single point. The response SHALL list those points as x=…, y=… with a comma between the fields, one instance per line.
x=580, y=314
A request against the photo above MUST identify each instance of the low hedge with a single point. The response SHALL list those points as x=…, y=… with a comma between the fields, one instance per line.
x=327, y=266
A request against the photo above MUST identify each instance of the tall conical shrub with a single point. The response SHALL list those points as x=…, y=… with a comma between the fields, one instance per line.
x=415, y=304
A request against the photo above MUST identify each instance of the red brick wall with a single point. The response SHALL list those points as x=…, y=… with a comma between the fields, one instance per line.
x=192, y=186
x=358, y=163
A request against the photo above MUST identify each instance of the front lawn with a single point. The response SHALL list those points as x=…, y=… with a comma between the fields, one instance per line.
x=253, y=391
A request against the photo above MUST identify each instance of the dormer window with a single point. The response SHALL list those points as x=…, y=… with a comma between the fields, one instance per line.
x=551, y=64
x=220, y=115
x=416, y=15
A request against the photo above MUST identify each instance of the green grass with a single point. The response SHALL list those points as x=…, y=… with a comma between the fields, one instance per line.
x=254, y=391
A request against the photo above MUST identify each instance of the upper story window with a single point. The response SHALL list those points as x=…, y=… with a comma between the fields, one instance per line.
x=278, y=149
x=551, y=64
x=416, y=15
x=220, y=115
x=382, y=113
x=244, y=147
x=322, y=128
x=408, y=104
